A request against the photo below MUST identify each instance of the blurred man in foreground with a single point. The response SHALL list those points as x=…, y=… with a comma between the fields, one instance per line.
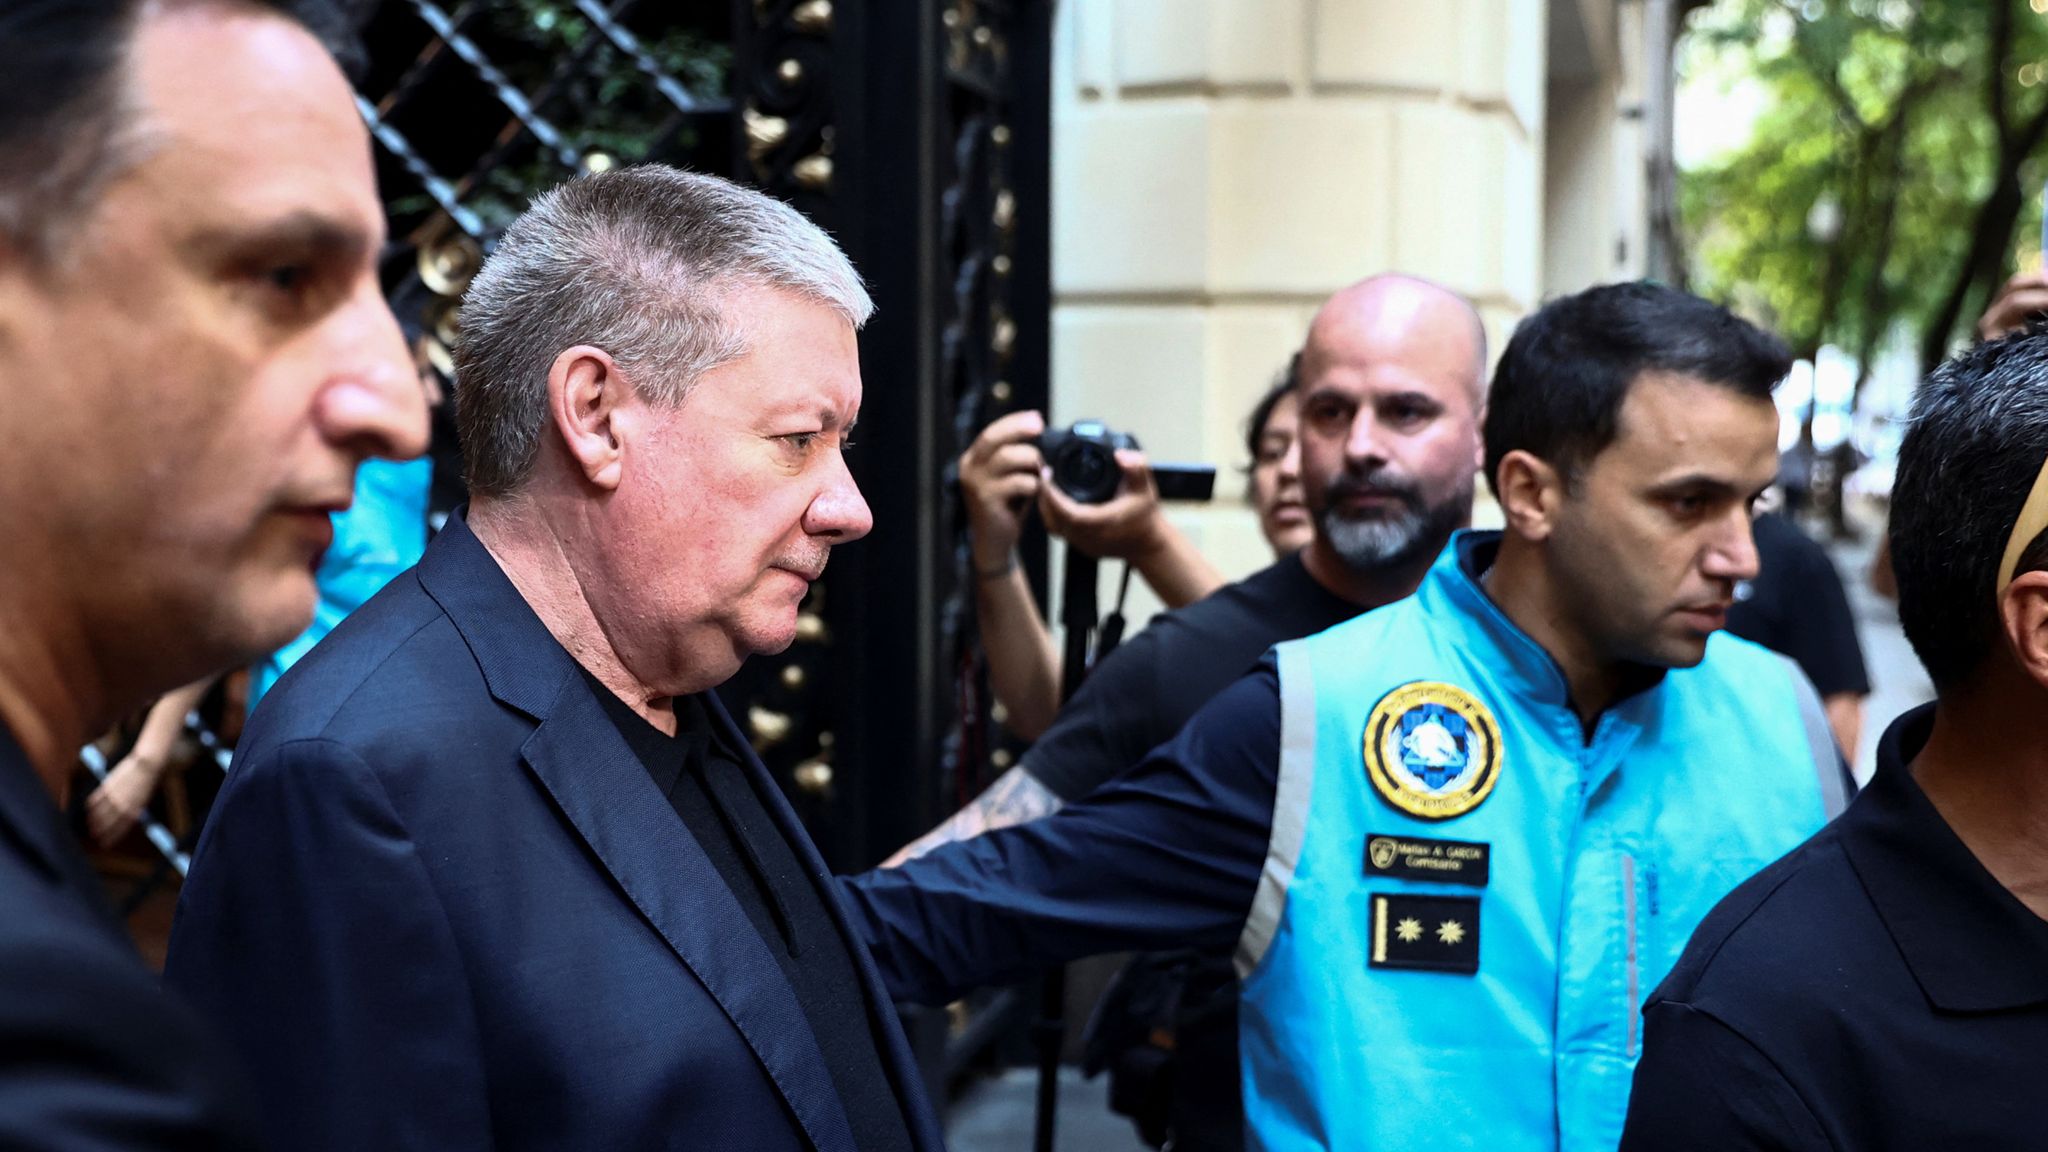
x=1454, y=839
x=194, y=356
x=494, y=869
x=1886, y=985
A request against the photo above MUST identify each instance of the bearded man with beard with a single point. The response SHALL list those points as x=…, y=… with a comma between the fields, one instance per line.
x=1454, y=840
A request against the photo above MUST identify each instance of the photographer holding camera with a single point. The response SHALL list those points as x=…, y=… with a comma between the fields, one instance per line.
x=1002, y=474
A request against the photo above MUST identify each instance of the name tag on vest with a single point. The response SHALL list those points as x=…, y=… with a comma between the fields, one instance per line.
x=1441, y=861
x=1426, y=933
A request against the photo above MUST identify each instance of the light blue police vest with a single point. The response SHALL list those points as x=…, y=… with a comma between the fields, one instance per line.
x=1465, y=899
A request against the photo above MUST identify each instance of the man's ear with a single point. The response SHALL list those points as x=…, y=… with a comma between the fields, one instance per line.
x=585, y=393
x=1531, y=491
x=2023, y=612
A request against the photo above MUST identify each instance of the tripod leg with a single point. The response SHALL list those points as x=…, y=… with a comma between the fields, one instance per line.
x=1078, y=613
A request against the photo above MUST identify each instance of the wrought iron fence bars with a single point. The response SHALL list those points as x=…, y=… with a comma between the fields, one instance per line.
x=440, y=190
x=502, y=87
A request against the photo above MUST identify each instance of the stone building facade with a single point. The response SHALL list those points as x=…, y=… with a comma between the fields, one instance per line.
x=1221, y=166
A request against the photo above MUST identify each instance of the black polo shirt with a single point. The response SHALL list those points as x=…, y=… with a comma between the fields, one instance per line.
x=1876, y=989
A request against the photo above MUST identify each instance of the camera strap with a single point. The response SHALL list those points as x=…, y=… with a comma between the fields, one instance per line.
x=1111, y=633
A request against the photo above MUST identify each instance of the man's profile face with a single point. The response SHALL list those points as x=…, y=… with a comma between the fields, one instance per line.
x=208, y=356
x=1655, y=532
x=1389, y=439
x=732, y=500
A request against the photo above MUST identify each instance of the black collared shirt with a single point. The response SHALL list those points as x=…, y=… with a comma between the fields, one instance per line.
x=1876, y=989
x=711, y=792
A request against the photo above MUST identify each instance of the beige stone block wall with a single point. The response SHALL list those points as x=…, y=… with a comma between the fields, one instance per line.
x=1275, y=232
x=1594, y=211
x=1140, y=368
x=1484, y=53
x=1221, y=166
x=1131, y=210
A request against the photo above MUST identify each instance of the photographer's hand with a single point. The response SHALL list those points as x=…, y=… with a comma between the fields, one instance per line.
x=999, y=475
x=1132, y=526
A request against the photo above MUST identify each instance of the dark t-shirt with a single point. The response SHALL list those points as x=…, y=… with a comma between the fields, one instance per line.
x=713, y=795
x=1796, y=606
x=1141, y=694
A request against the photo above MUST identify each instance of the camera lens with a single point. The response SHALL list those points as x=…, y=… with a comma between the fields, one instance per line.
x=1087, y=471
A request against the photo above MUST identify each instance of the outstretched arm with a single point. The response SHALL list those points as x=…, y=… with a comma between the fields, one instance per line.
x=1166, y=856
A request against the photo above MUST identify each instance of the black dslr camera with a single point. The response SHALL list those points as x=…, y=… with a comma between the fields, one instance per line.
x=1082, y=457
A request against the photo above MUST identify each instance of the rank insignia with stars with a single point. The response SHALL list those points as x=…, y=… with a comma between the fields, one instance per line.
x=1432, y=750
x=1425, y=933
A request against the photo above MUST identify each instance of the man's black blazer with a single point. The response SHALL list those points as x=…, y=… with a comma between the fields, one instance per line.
x=441, y=905
x=93, y=1055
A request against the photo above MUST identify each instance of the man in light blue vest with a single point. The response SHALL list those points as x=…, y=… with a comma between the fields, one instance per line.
x=1456, y=839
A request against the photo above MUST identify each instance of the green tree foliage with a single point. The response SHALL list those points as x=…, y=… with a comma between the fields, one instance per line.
x=1893, y=176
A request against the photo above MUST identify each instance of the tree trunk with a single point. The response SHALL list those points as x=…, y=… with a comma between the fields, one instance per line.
x=1996, y=216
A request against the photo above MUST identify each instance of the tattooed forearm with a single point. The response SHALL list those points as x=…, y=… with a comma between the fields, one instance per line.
x=1016, y=797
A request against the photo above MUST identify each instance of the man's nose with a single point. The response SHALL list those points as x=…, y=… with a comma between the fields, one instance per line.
x=839, y=514
x=373, y=403
x=1732, y=555
x=1364, y=442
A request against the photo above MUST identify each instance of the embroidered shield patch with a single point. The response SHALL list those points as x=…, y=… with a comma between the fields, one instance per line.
x=1432, y=750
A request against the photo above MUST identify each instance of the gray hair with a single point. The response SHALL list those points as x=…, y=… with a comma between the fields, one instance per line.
x=634, y=261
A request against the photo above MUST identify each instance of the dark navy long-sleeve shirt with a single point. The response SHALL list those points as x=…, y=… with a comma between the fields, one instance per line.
x=1166, y=856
